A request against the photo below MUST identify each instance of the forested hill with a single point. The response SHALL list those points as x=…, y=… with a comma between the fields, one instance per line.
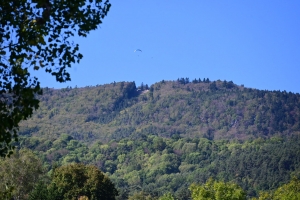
x=159, y=139
x=196, y=109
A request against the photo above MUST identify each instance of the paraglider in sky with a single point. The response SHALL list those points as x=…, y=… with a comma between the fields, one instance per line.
x=137, y=50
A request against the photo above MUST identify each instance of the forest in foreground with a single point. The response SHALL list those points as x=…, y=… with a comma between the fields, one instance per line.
x=159, y=139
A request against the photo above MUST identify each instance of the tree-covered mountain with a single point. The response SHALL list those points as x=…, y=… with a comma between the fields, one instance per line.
x=159, y=139
x=214, y=110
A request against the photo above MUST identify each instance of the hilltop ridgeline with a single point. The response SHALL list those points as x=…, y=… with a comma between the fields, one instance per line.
x=197, y=109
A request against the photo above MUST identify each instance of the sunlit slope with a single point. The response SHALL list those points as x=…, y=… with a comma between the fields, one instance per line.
x=213, y=110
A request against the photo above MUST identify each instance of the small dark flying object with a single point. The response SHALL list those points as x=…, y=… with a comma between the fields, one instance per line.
x=137, y=50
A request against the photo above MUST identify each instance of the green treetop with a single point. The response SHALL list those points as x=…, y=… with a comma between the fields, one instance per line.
x=214, y=190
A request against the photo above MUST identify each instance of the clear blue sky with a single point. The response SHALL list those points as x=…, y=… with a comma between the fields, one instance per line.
x=251, y=42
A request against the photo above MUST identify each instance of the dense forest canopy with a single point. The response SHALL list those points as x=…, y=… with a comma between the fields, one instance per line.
x=214, y=110
x=157, y=140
